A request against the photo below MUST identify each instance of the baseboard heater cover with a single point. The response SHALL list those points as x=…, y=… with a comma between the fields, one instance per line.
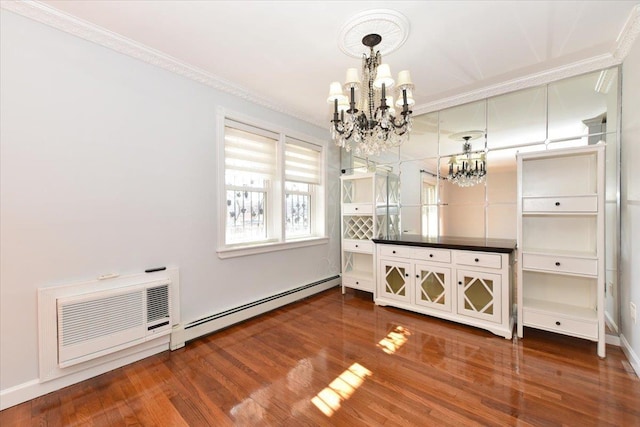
x=258, y=303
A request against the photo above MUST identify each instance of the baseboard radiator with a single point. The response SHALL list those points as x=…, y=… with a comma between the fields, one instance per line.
x=226, y=318
x=96, y=319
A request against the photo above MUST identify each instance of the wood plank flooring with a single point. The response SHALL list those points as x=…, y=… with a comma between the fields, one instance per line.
x=336, y=359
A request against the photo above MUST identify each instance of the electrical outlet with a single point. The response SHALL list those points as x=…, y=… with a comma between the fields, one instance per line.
x=632, y=312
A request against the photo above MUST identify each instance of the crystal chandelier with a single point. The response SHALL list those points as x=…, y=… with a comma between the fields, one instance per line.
x=467, y=169
x=370, y=125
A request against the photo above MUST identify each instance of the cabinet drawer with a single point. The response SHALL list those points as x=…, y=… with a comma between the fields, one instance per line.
x=358, y=283
x=429, y=254
x=357, y=209
x=560, y=204
x=560, y=264
x=363, y=246
x=561, y=324
x=478, y=259
x=397, y=251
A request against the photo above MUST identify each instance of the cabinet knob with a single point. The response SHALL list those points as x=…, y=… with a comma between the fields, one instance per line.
x=417, y=276
x=460, y=283
x=393, y=252
x=476, y=260
x=430, y=255
x=357, y=283
x=406, y=274
x=557, y=203
x=557, y=264
x=356, y=246
x=557, y=323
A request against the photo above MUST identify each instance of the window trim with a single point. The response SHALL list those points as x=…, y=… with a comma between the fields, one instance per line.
x=278, y=239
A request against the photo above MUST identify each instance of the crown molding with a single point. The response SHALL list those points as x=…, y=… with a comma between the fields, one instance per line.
x=93, y=33
x=618, y=53
x=628, y=35
x=532, y=80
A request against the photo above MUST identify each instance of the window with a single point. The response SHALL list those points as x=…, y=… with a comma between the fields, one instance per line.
x=302, y=169
x=273, y=190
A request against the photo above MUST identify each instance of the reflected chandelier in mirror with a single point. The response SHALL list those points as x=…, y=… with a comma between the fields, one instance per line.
x=467, y=169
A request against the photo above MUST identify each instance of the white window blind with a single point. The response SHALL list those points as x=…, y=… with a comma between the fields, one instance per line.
x=302, y=162
x=247, y=151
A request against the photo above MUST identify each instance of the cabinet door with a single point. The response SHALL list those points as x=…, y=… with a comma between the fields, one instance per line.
x=394, y=279
x=433, y=286
x=479, y=295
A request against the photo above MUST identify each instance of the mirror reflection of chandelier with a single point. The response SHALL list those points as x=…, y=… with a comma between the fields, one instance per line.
x=467, y=169
x=371, y=125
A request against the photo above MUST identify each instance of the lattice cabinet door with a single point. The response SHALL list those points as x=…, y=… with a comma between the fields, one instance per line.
x=479, y=295
x=395, y=280
x=433, y=287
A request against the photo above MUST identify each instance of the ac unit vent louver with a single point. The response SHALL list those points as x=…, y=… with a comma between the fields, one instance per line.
x=94, y=324
x=111, y=315
x=157, y=303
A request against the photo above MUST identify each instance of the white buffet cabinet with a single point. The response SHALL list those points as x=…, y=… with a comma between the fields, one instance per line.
x=450, y=279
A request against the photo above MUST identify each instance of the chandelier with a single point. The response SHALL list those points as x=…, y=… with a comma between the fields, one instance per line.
x=467, y=169
x=370, y=125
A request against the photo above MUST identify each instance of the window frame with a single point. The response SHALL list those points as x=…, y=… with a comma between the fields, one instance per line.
x=275, y=221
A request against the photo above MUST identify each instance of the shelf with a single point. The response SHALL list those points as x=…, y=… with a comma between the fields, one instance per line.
x=357, y=189
x=358, y=275
x=358, y=227
x=562, y=288
x=552, y=233
x=568, y=173
x=559, y=252
x=559, y=309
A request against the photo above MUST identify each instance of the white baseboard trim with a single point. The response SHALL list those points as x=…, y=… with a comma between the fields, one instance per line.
x=612, y=340
x=613, y=325
x=34, y=388
x=198, y=328
x=634, y=360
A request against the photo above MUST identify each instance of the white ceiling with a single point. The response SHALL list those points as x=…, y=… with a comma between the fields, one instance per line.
x=285, y=53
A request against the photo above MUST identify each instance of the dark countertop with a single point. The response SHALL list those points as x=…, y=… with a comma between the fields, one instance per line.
x=464, y=243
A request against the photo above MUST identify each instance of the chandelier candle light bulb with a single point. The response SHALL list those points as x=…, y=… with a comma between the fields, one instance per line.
x=370, y=125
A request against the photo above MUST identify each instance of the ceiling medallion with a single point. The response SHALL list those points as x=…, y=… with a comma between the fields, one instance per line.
x=392, y=26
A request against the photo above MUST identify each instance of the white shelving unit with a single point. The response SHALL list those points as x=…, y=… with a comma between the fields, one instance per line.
x=561, y=242
x=369, y=206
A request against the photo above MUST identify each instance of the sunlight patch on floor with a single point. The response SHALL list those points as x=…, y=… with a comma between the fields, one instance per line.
x=394, y=339
x=340, y=389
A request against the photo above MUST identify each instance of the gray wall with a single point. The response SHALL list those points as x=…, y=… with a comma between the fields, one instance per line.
x=108, y=164
x=630, y=202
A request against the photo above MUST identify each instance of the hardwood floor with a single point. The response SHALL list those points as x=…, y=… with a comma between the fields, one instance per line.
x=341, y=360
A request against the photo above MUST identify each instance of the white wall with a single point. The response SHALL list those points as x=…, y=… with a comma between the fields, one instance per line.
x=630, y=204
x=108, y=164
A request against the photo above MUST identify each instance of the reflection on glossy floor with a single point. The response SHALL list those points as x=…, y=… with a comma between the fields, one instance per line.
x=341, y=360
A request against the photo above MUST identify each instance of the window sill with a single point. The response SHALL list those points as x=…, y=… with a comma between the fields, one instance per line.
x=237, y=251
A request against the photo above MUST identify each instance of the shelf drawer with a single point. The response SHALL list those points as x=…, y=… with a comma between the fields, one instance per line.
x=561, y=324
x=362, y=246
x=357, y=209
x=560, y=264
x=478, y=259
x=358, y=283
x=396, y=251
x=560, y=204
x=436, y=255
